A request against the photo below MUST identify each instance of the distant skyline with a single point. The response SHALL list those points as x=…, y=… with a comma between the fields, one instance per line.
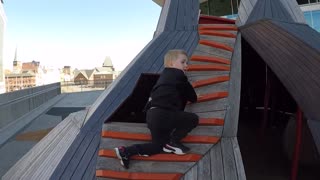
x=78, y=33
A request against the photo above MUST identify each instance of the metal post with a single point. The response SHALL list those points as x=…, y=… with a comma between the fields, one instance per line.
x=296, y=153
x=266, y=103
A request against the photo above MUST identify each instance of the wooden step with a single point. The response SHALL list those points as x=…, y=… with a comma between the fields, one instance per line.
x=218, y=27
x=157, y=157
x=212, y=96
x=211, y=122
x=211, y=59
x=206, y=82
x=137, y=175
x=147, y=137
x=204, y=50
x=217, y=33
x=207, y=67
x=205, y=19
x=215, y=45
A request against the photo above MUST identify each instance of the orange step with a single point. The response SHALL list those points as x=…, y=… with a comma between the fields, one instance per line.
x=216, y=45
x=218, y=28
x=207, y=67
x=205, y=19
x=209, y=81
x=147, y=137
x=210, y=59
x=137, y=175
x=212, y=96
x=211, y=122
x=217, y=33
x=157, y=157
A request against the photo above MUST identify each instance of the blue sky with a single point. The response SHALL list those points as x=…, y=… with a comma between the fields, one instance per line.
x=78, y=33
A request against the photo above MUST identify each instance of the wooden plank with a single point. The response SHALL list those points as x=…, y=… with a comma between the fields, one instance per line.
x=180, y=17
x=208, y=89
x=171, y=19
x=213, y=51
x=294, y=10
x=138, y=175
x=202, y=80
x=204, y=168
x=64, y=133
x=232, y=116
x=208, y=59
x=147, y=137
x=268, y=11
x=229, y=164
x=301, y=31
x=216, y=45
x=315, y=131
x=109, y=143
x=213, y=114
x=163, y=18
x=238, y=159
x=210, y=106
x=227, y=41
x=80, y=171
x=190, y=157
x=216, y=164
x=144, y=166
x=195, y=74
x=245, y=10
x=90, y=172
x=127, y=127
x=210, y=81
x=192, y=174
x=72, y=167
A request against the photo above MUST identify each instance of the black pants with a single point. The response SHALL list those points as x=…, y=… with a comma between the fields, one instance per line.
x=165, y=126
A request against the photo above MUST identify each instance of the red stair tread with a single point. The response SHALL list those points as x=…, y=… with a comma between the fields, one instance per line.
x=217, y=33
x=147, y=137
x=207, y=67
x=221, y=28
x=209, y=81
x=210, y=59
x=211, y=121
x=216, y=45
x=157, y=157
x=137, y=175
x=205, y=19
x=212, y=96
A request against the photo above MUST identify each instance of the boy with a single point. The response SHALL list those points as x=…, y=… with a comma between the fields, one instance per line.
x=167, y=121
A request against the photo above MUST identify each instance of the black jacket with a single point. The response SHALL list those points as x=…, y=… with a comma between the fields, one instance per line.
x=172, y=90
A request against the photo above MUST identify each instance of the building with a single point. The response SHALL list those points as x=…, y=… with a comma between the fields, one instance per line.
x=25, y=75
x=3, y=21
x=18, y=81
x=97, y=77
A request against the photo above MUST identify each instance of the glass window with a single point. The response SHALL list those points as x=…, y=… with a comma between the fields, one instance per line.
x=303, y=1
x=307, y=16
x=316, y=20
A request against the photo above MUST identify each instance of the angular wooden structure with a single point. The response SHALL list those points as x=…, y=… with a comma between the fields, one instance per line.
x=81, y=148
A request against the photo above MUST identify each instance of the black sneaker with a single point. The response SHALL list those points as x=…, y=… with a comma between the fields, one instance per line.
x=176, y=148
x=123, y=156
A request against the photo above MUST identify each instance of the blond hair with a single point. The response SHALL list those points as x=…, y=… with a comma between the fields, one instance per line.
x=172, y=55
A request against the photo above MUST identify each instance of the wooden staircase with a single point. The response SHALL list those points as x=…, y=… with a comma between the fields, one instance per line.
x=209, y=72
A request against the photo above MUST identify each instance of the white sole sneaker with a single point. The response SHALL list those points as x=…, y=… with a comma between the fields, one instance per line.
x=171, y=149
